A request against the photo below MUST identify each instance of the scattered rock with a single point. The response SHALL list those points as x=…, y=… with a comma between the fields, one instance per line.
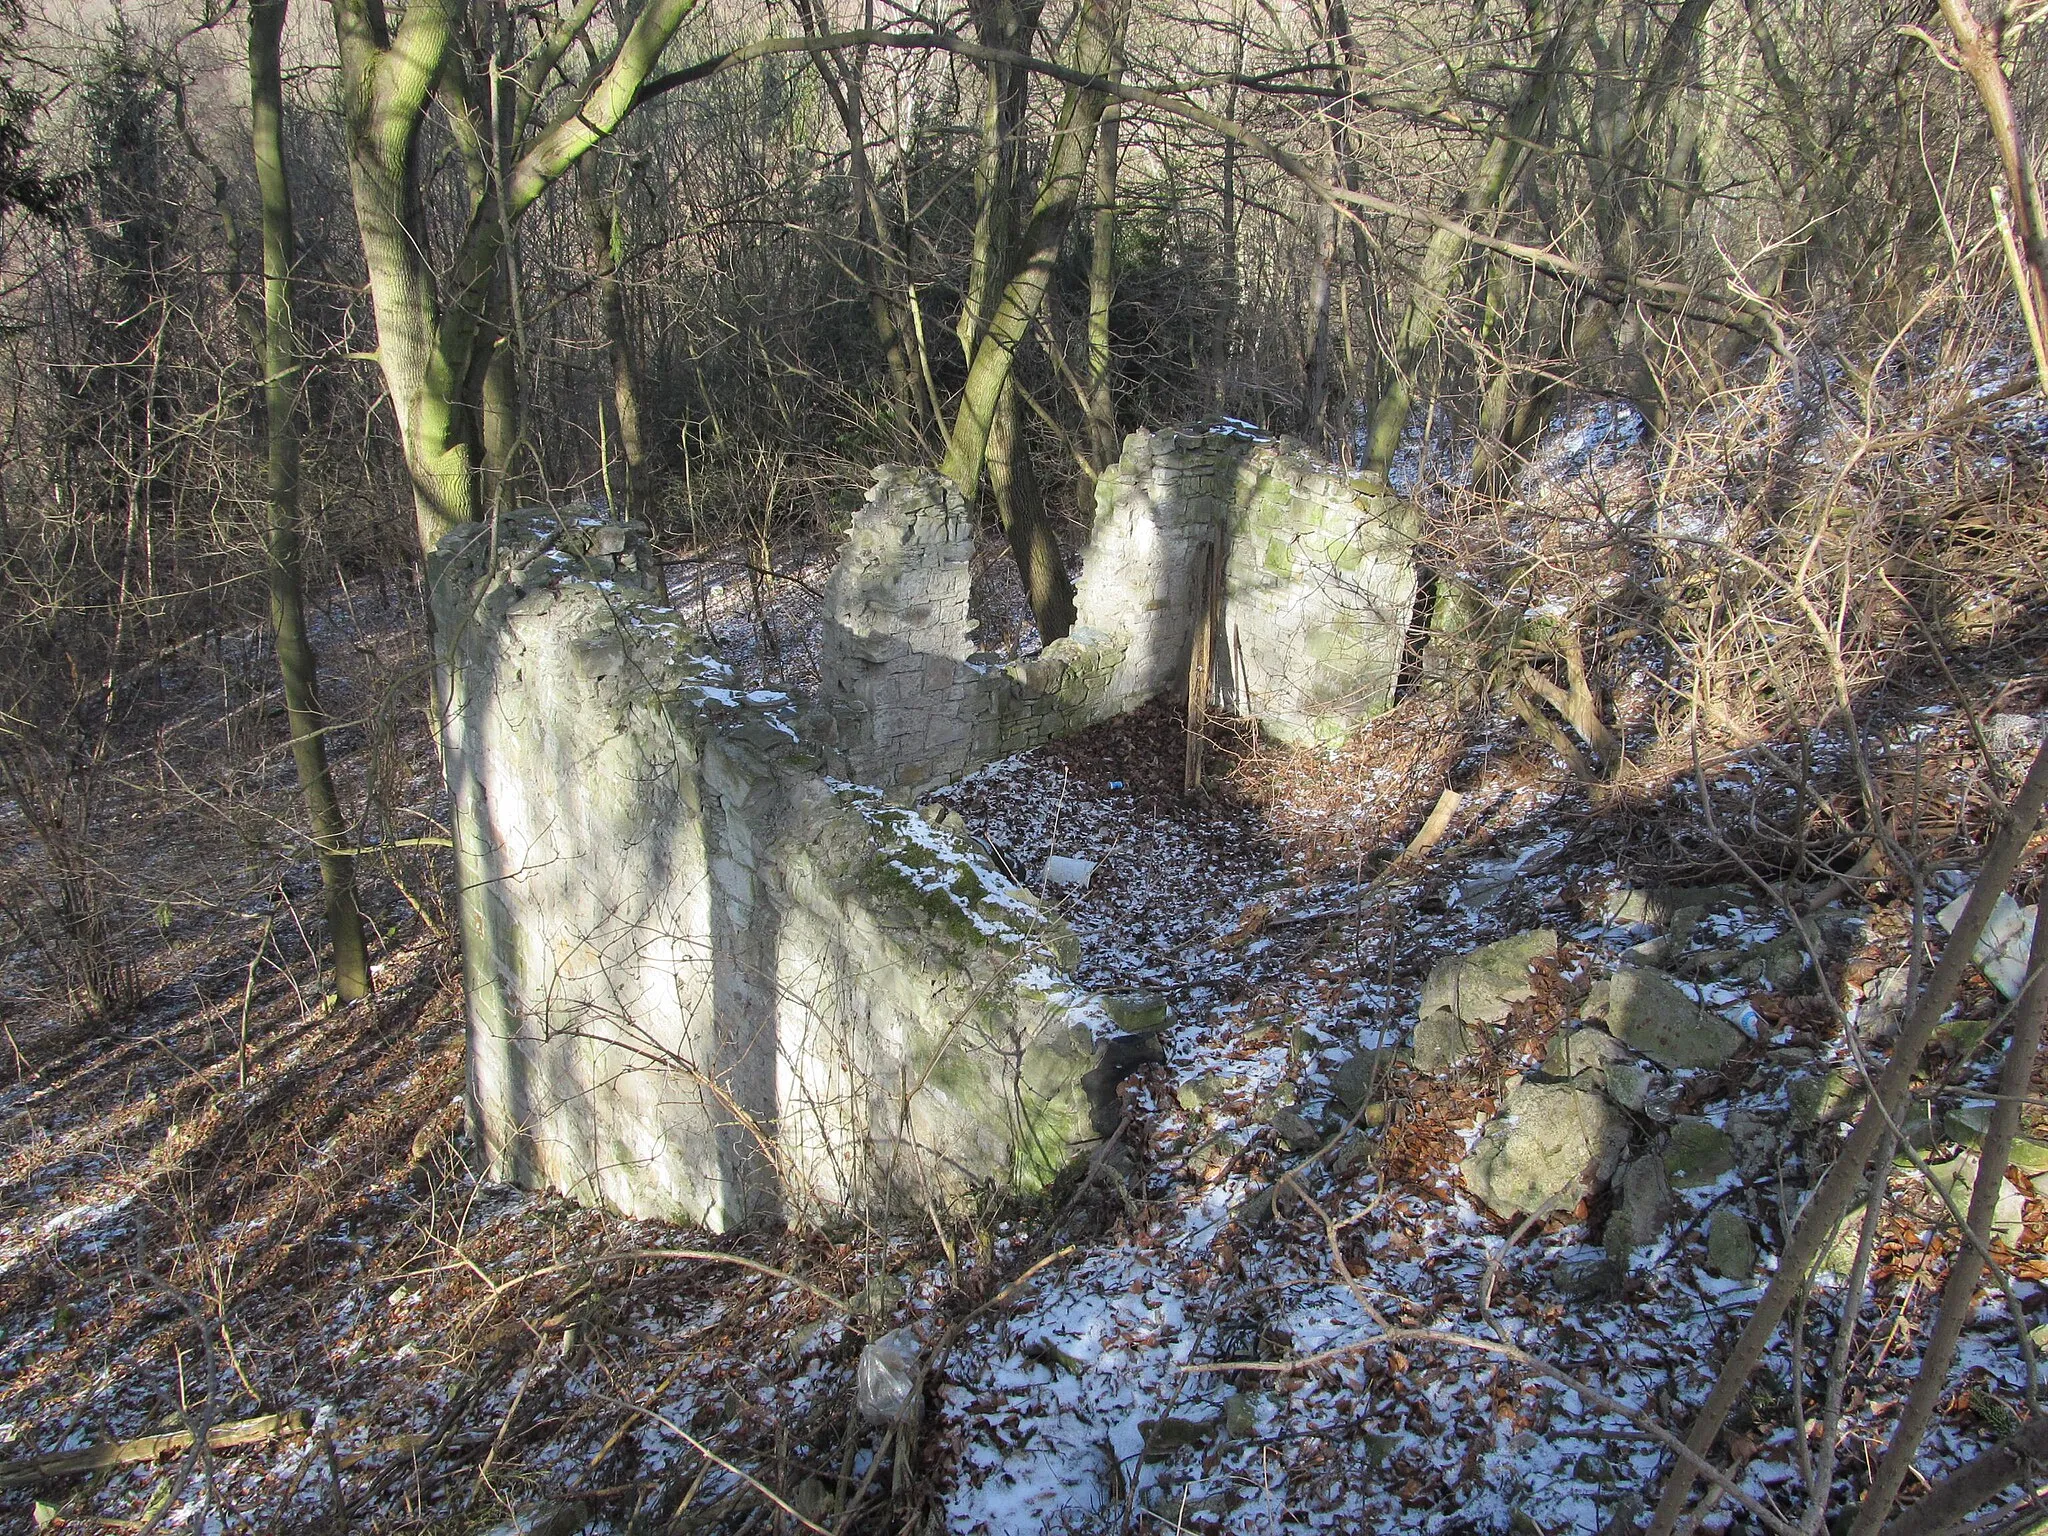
x=1699, y=1153
x=1165, y=1436
x=1969, y=1125
x=1378, y=1449
x=1358, y=1077
x=2003, y=945
x=1731, y=1251
x=813, y=1500
x=878, y=1298
x=1585, y=1274
x=1884, y=1004
x=1642, y=1204
x=1201, y=1092
x=544, y=1520
x=1755, y=1139
x=1441, y=1042
x=1214, y=1156
x=1136, y=1013
x=1839, y=1254
x=2009, y=735
x=1241, y=1414
x=1675, y=908
x=1841, y=931
x=1641, y=1089
x=1551, y=1145
x=1780, y=964
x=1584, y=1052
x=1823, y=1098
x=1480, y=987
x=1116, y=1059
x=1296, y=1132
x=1650, y=1013
x=1957, y=1177
x=1353, y=1153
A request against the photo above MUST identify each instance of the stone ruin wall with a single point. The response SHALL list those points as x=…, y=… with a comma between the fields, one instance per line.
x=711, y=977
x=705, y=980
x=1318, y=591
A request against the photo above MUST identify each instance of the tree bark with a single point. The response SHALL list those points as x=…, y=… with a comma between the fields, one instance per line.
x=282, y=372
x=1020, y=509
x=1435, y=276
x=1102, y=433
x=1958, y=1292
x=1023, y=293
x=429, y=333
x=986, y=422
x=883, y=260
x=607, y=244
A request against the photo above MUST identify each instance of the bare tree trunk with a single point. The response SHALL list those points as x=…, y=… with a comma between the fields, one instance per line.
x=1316, y=374
x=1958, y=1294
x=1016, y=303
x=393, y=79
x=1102, y=433
x=2023, y=212
x=1226, y=322
x=1436, y=274
x=1020, y=509
x=429, y=332
x=282, y=372
x=607, y=244
x=883, y=259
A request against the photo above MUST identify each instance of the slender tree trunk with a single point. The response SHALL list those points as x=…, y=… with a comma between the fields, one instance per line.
x=1436, y=275
x=607, y=243
x=883, y=260
x=1493, y=458
x=1825, y=1208
x=1022, y=295
x=500, y=426
x=387, y=83
x=1226, y=322
x=2023, y=211
x=1008, y=25
x=1005, y=316
x=1020, y=509
x=1958, y=1294
x=1316, y=374
x=1102, y=433
x=282, y=372
x=434, y=340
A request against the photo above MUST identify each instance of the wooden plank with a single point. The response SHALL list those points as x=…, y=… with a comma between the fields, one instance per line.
x=119, y=1453
x=1201, y=670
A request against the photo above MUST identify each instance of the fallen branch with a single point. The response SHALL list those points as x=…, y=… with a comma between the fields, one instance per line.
x=120, y=1453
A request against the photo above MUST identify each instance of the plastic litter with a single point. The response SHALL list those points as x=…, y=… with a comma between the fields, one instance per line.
x=1061, y=870
x=885, y=1381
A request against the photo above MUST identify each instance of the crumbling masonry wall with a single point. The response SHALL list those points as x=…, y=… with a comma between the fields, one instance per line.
x=706, y=981
x=710, y=979
x=1318, y=591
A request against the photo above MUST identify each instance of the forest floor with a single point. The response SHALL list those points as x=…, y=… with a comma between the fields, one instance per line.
x=236, y=1198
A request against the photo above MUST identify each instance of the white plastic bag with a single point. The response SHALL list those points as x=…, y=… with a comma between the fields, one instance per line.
x=885, y=1382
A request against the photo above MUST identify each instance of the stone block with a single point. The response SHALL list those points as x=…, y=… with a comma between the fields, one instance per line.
x=677, y=934
x=1551, y=1145
x=1481, y=986
x=1651, y=1014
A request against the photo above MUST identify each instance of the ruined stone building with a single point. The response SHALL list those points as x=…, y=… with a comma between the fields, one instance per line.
x=717, y=968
